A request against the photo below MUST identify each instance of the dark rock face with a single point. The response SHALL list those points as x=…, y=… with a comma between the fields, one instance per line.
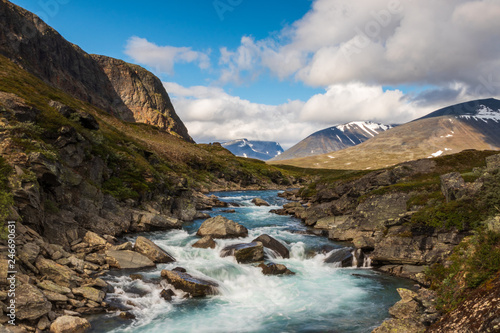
x=144, y=95
x=274, y=245
x=244, y=253
x=185, y=282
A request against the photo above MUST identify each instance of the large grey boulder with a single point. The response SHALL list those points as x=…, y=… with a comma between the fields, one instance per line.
x=152, y=251
x=195, y=286
x=244, y=253
x=31, y=303
x=221, y=227
x=274, y=245
x=128, y=260
x=343, y=257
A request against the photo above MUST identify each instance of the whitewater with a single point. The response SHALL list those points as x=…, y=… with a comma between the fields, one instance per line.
x=320, y=297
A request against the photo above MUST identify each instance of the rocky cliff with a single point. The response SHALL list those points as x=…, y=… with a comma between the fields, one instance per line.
x=36, y=47
x=144, y=95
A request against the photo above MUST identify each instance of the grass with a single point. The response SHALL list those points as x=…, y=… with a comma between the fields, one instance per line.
x=473, y=264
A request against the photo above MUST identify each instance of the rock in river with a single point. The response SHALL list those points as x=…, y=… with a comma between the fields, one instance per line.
x=152, y=251
x=221, y=227
x=192, y=285
x=260, y=202
x=244, y=253
x=274, y=245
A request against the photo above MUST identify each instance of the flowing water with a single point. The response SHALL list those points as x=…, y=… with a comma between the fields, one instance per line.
x=319, y=298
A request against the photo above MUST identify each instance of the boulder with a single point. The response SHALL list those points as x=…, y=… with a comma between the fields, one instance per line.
x=275, y=269
x=167, y=294
x=342, y=256
x=205, y=243
x=31, y=303
x=128, y=260
x=145, y=221
x=54, y=297
x=60, y=274
x=274, y=245
x=70, y=324
x=192, y=285
x=122, y=247
x=452, y=186
x=29, y=252
x=152, y=251
x=260, y=202
x=51, y=286
x=244, y=253
x=94, y=239
x=90, y=293
x=221, y=227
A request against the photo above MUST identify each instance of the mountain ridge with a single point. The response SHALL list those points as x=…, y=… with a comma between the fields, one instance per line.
x=334, y=138
x=261, y=150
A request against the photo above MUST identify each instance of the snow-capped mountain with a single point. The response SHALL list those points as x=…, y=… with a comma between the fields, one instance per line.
x=262, y=150
x=334, y=138
x=470, y=125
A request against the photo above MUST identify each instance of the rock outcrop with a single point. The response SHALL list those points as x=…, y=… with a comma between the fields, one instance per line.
x=144, y=94
x=152, y=251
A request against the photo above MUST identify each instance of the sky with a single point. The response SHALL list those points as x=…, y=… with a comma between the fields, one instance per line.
x=281, y=70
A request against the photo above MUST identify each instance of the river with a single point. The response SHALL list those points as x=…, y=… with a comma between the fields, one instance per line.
x=320, y=297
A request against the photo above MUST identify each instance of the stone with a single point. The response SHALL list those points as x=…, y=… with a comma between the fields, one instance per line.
x=60, y=274
x=90, y=293
x=136, y=277
x=343, y=257
x=493, y=162
x=70, y=324
x=128, y=260
x=123, y=247
x=43, y=323
x=146, y=221
x=127, y=315
x=205, y=243
x=31, y=303
x=244, y=253
x=54, y=297
x=275, y=269
x=29, y=252
x=51, y=286
x=152, y=251
x=330, y=222
x=260, y=202
x=94, y=239
x=452, y=186
x=221, y=227
x=167, y=294
x=96, y=258
x=274, y=245
x=192, y=285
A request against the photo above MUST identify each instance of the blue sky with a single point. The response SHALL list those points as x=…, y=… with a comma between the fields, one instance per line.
x=280, y=70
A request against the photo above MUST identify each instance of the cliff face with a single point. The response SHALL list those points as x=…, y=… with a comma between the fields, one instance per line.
x=144, y=95
x=36, y=47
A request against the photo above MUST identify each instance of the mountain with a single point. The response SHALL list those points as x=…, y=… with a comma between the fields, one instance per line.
x=333, y=138
x=261, y=150
x=39, y=49
x=471, y=125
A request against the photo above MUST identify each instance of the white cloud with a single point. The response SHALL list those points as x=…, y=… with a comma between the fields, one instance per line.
x=211, y=114
x=163, y=58
x=383, y=42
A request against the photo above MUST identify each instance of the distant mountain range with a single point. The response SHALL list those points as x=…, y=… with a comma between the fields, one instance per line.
x=262, y=150
x=334, y=138
x=471, y=125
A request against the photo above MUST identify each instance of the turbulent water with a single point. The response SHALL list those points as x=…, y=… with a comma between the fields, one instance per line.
x=319, y=298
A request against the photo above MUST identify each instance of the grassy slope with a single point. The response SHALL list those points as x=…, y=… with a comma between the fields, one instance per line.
x=144, y=156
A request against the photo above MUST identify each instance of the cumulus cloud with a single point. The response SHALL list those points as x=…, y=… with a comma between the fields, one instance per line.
x=211, y=114
x=384, y=42
x=163, y=58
